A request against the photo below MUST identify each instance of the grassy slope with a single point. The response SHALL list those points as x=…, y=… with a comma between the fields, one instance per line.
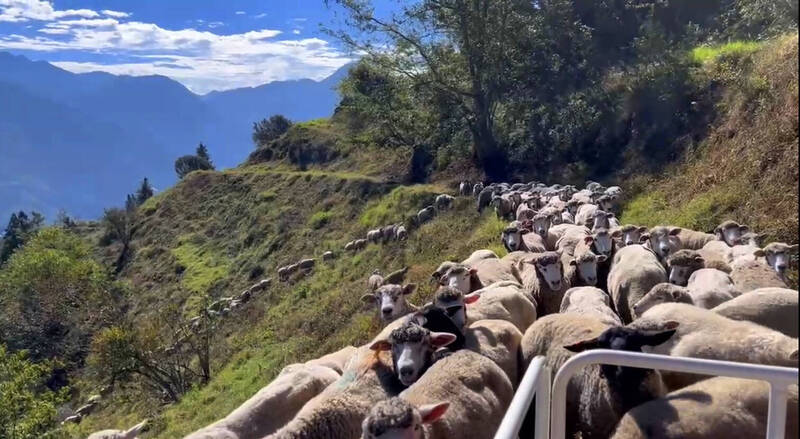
x=747, y=167
x=215, y=231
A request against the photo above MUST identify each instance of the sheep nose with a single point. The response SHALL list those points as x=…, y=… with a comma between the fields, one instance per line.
x=781, y=267
x=386, y=311
x=406, y=371
x=673, y=281
x=592, y=280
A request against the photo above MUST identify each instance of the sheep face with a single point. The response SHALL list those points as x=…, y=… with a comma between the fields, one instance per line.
x=622, y=338
x=512, y=238
x=631, y=234
x=458, y=277
x=412, y=349
x=454, y=303
x=391, y=300
x=551, y=271
x=777, y=255
x=679, y=275
x=604, y=202
x=662, y=293
x=602, y=242
x=730, y=232
x=541, y=224
x=659, y=240
x=601, y=220
x=587, y=267
x=397, y=419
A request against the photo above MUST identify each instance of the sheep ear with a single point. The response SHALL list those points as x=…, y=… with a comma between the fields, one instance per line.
x=794, y=355
x=573, y=262
x=588, y=239
x=471, y=298
x=644, y=239
x=655, y=339
x=792, y=249
x=642, y=229
x=431, y=413
x=744, y=228
x=440, y=339
x=609, y=214
x=583, y=345
x=473, y=271
x=524, y=231
x=616, y=233
x=410, y=288
x=674, y=231
x=699, y=259
x=366, y=298
x=759, y=253
x=381, y=345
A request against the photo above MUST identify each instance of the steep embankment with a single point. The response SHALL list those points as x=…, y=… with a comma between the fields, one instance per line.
x=746, y=169
x=217, y=233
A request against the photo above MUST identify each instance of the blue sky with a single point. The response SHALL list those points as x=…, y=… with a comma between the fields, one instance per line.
x=204, y=44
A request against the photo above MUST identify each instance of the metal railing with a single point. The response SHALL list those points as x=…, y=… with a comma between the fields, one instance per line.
x=779, y=379
x=535, y=382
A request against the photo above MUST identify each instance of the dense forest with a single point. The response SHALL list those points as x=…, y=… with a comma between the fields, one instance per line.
x=692, y=104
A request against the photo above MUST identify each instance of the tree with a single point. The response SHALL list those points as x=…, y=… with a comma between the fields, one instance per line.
x=27, y=406
x=458, y=49
x=270, y=129
x=189, y=163
x=120, y=225
x=145, y=190
x=19, y=229
x=202, y=152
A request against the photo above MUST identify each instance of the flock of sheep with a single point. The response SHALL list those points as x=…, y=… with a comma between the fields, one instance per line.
x=573, y=279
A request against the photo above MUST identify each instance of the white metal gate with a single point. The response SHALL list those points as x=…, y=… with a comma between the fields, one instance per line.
x=536, y=382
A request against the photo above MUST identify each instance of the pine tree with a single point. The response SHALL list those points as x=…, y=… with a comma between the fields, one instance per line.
x=145, y=191
x=202, y=152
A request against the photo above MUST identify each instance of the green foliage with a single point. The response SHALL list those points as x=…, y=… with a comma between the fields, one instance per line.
x=395, y=207
x=53, y=296
x=706, y=53
x=202, y=153
x=188, y=163
x=202, y=263
x=320, y=219
x=27, y=406
x=19, y=229
x=270, y=129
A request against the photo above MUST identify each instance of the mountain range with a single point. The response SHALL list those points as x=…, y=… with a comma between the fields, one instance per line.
x=81, y=142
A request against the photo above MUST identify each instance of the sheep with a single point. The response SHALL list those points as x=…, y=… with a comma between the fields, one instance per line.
x=604, y=202
x=469, y=278
x=717, y=251
x=374, y=281
x=462, y=396
x=499, y=301
x=359, y=244
x=598, y=396
x=499, y=341
x=263, y=284
x=425, y=215
x=600, y=242
x=328, y=256
x=349, y=246
x=484, y=198
x=337, y=412
x=604, y=220
x=272, y=406
x=443, y=201
x=662, y=293
x=412, y=347
x=86, y=409
x=391, y=301
x=306, y=264
x=400, y=233
x=541, y=224
x=705, y=334
x=479, y=255
x=476, y=189
x=585, y=214
x=683, y=263
x=750, y=275
x=634, y=271
x=436, y=319
x=464, y=189
x=130, y=433
x=693, y=240
x=511, y=237
x=613, y=191
x=286, y=271
x=388, y=233
x=542, y=277
x=716, y=408
x=395, y=277
x=503, y=207
x=777, y=255
x=590, y=301
x=336, y=360
x=525, y=213
x=775, y=308
x=730, y=232
x=663, y=241
x=629, y=235
x=581, y=269
x=374, y=236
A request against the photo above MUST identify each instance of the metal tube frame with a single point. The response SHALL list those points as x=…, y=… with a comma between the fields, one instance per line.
x=779, y=379
x=535, y=382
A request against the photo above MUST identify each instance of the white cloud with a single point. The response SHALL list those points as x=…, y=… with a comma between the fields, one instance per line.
x=215, y=24
x=115, y=14
x=240, y=12
x=261, y=15
x=26, y=10
x=200, y=59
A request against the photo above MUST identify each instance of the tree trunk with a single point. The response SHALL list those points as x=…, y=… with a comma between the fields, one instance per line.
x=487, y=153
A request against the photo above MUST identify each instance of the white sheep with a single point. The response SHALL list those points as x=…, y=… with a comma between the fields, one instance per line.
x=750, y=275
x=590, y=301
x=274, y=405
x=598, y=396
x=777, y=255
x=463, y=395
x=775, y=308
x=443, y=201
x=634, y=271
x=391, y=301
x=542, y=276
x=629, y=234
x=130, y=433
x=716, y=408
x=705, y=334
x=663, y=241
x=502, y=301
x=694, y=240
x=499, y=341
x=469, y=278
